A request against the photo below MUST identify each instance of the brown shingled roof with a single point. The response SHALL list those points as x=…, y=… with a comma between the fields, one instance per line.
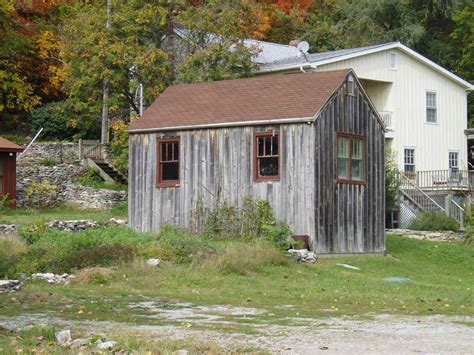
x=7, y=146
x=260, y=98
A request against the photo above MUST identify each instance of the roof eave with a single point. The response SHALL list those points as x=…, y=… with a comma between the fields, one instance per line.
x=11, y=150
x=225, y=125
x=398, y=45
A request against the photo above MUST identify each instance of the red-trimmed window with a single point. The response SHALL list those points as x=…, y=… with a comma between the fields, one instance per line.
x=267, y=156
x=351, y=157
x=168, y=162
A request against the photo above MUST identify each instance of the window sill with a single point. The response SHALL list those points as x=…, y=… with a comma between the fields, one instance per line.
x=351, y=182
x=273, y=179
x=167, y=184
x=432, y=123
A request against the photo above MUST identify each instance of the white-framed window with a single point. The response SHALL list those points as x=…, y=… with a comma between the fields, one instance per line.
x=409, y=160
x=431, y=107
x=393, y=61
x=350, y=85
x=453, y=161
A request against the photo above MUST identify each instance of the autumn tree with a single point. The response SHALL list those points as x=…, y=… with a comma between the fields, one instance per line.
x=126, y=54
x=16, y=91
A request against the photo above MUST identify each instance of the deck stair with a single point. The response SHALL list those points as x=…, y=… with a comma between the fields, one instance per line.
x=107, y=171
x=415, y=200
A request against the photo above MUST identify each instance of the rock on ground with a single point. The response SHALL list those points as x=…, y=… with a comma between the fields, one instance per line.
x=64, y=338
x=53, y=278
x=10, y=285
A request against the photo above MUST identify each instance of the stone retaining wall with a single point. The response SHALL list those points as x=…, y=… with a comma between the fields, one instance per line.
x=442, y=236
x=88, y=197
x=61, y=152
x=51, y=180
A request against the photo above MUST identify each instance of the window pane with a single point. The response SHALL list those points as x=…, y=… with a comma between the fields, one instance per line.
x=275, y=145
x=163, y=151
x=357, y=169
x=393, y=60
x=409, y=168
x=261, y=146
x=268, y=166
x=268, y=145
x=453, y=160
x=357, y=148
x=342, y=168
x=431, y=115
x=350, y=85
x=170, y=171
x=431, y=99
x=343, y=147
x=176, y=151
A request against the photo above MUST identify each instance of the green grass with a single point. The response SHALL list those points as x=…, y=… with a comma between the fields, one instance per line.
x=42, y=340
x=440, y=276
x=24, y=216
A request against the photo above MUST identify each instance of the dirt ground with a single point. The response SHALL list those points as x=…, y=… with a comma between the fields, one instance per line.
x=377, y=334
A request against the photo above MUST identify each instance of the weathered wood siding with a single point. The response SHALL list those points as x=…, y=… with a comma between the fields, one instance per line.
x=217, y=166
x=349, y=218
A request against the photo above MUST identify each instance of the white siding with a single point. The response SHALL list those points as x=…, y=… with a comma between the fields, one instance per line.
x=404, y=93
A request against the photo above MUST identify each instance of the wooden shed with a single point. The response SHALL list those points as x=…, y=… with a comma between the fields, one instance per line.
x=312, y=144
x=8, y=151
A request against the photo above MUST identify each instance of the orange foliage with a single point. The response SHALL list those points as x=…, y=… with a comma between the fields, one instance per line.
x=287, y=5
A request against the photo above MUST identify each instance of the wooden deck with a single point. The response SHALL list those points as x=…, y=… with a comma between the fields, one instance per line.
x=442, y=180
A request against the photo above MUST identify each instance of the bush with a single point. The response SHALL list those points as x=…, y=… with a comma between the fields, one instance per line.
x=433, y=221
x=59, y=251
x=48, y=162
x=246, y=259
x=392, y=181
x=93, y=179
x=176, y=246
x=94, y=275
x=11, y=249
x=254, y=221
x=53, y=118
x=40, y=194
x=15, y=138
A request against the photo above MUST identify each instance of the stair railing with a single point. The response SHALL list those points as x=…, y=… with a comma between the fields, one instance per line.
x=420, y=198
x=457, y=212
x=89, y=149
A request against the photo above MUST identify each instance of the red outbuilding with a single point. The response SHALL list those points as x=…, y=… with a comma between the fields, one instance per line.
x=8, y=151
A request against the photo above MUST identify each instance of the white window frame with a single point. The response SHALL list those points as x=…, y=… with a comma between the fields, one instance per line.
x=390, y=56
x=450, y=167
x=405, y=164
x=435, y=107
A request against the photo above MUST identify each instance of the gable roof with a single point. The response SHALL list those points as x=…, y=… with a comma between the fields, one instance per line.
x=260, y=100
x=268, y=52
x=317, y=59
x=7, y=146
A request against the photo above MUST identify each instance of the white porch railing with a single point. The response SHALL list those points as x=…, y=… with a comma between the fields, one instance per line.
x=445, y=179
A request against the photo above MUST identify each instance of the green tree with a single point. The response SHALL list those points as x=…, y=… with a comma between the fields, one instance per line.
x=216, y=33
x=126, y=54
